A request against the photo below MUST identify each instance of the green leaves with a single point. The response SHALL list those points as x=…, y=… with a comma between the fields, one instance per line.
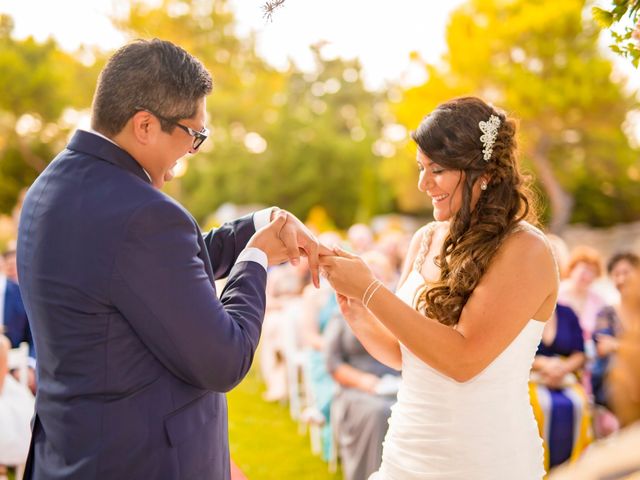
x=627, y=41
x=603, y=17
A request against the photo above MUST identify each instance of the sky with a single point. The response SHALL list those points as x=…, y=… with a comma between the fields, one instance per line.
x=380, y=32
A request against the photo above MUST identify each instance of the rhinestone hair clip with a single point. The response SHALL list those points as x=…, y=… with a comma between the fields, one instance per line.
x=488, y=138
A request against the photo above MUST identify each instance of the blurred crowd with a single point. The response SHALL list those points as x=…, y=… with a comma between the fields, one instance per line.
x=310, y=360
x=17, y=369
x=584, y=385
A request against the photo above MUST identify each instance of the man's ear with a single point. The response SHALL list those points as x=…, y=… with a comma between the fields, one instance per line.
x=144, y=126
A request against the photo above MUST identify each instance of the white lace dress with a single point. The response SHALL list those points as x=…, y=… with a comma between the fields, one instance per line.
x=480, y=429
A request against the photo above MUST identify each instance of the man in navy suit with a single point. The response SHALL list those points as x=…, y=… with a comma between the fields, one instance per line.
x=135, y=348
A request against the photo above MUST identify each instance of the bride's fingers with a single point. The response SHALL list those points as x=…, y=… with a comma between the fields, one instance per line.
x=343, y=302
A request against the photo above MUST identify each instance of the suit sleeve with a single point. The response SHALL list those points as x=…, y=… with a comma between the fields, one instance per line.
x=160, y=286
x=225, y=243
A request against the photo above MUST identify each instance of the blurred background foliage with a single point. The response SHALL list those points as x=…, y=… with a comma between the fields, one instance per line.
x=321, y=143
x=622, y=18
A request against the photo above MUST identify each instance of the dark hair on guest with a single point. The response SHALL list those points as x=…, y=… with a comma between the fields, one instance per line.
x=626, y=256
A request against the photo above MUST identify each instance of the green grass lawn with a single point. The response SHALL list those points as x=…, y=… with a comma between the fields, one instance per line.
x=265, y=443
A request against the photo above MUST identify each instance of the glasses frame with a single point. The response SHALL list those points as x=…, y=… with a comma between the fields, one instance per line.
x=198, y=136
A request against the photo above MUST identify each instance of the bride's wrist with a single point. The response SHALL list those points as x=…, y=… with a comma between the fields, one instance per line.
x=371, y=290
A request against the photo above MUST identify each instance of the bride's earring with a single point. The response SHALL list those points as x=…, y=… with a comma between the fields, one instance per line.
x=483, y=185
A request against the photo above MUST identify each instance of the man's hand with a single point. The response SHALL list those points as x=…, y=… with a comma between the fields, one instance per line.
x=298, y=240
x=268, y=240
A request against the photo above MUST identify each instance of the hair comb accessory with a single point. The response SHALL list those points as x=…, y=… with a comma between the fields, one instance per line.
x=489, y=131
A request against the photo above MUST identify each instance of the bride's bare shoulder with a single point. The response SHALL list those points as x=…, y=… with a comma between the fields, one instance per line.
x=526, y=232
x=529, y=245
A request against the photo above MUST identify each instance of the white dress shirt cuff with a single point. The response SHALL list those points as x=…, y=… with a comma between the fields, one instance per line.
x=262, y=218
x=252, y=254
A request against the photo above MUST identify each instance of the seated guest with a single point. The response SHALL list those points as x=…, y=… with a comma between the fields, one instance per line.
x=360, y=238
x=16, y=410
x=578, y=291
x=616, y=457
x=362, y=404
x=609, y=327
x=559, y=401
x=10, y=267
x=13, y=319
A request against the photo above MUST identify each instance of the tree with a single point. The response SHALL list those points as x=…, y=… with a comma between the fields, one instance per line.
x=627, y=42
x=288, y=138
x=540, y=62
x=39, y=83
x=322, y=144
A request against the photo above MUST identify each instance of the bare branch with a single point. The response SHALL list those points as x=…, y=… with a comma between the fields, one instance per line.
x=269, y=7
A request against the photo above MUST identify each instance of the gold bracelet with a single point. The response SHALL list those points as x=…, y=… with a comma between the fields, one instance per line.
x=366, y=304
x=364, y=295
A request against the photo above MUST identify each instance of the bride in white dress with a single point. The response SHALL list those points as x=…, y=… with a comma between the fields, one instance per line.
x=477, y=287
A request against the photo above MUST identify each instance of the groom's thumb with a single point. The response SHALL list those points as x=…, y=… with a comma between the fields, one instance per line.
x=278, y=222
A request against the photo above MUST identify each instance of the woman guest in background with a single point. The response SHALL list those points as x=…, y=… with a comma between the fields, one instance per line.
x=577, y=291
x=559, y=401
x=609, y=327
x=476, y=290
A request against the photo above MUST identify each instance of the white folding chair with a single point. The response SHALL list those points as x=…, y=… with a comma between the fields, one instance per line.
x=294, y=357
x=311, y=415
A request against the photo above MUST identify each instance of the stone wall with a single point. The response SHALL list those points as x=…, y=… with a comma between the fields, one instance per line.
x=625, y=236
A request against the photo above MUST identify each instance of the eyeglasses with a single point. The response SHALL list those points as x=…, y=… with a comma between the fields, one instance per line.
x=198, y=137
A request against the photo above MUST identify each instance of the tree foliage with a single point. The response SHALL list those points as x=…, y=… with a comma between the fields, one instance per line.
x=625, y=13
x=39, y=83
x=289, y=138
x=320, y=141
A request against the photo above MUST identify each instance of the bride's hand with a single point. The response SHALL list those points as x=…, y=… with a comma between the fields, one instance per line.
x=352, y=309
x=347, y=273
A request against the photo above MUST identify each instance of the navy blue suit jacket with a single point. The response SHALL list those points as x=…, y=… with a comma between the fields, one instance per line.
x=134, y=346
x=16, y=325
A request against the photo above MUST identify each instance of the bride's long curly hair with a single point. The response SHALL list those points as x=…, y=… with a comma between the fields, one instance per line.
x=450, y=137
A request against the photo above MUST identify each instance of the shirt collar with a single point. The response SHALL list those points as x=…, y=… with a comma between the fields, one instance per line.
x=91, y=130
